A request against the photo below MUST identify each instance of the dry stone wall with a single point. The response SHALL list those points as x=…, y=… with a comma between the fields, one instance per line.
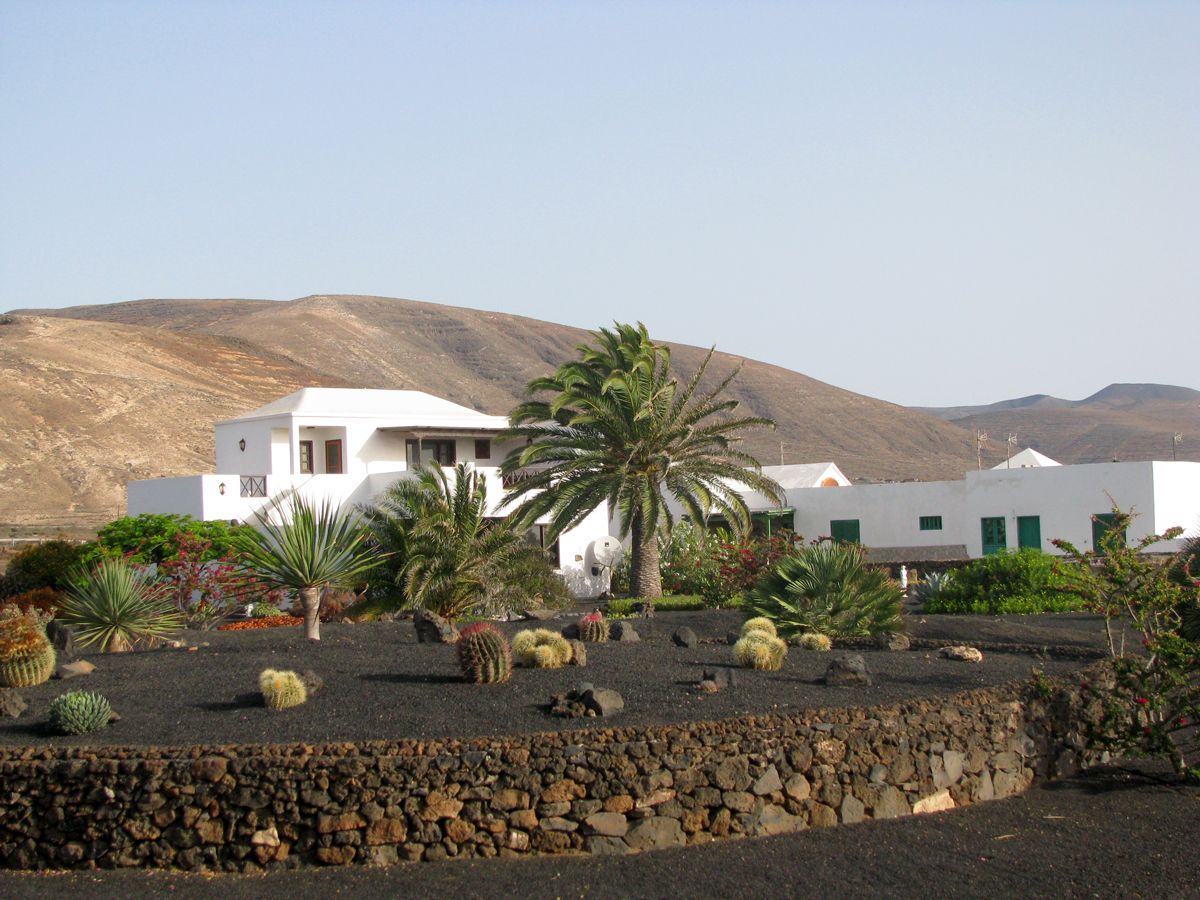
x=610, y=791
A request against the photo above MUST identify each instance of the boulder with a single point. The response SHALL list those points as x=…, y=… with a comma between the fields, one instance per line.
x=892, y=641
x=624, y=632
x=603, y=702
x=571, y=631
x=685, y=637
x=540, y=614
x=721, y=677
x=12, y=704
x=962, y=653
x=62, y=637
x=847, y=671
x=433, y=629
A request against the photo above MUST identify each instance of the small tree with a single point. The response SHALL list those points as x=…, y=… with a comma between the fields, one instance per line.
x=304, y=547
x=1154, y=702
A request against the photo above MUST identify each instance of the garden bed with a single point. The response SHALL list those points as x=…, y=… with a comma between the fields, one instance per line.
x=382, y=684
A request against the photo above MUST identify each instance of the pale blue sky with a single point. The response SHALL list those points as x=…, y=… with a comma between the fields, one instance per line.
x=931, y=203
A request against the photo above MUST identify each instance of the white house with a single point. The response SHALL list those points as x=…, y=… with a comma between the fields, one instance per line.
x=1027, y=504
x=349, y=445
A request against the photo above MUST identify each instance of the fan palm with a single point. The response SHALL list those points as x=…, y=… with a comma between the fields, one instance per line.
x=304, y=546
x=618, y=427
x=455, y=560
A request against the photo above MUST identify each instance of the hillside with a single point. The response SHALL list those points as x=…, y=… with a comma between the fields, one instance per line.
x=1122, y=421
x=99, y=395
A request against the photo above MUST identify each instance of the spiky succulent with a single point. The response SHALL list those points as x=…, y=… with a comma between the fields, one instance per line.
x=541, y=648
x=281, y=689
x=593, y=628
x=79, y=712
x=759, y=650
x=26, y=655
x=814, y=640
x=483, y=654
x=759, y=623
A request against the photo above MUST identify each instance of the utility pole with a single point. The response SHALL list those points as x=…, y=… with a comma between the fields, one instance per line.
x=1176, y=440
x=1010, y=441
x=980, y=440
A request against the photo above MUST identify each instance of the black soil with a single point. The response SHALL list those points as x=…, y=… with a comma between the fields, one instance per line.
x=382, y=684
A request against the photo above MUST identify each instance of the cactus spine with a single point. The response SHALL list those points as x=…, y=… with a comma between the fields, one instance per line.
x=759, y=650
x=593, y=628
x=79, y=712
x=483, y=654
x=26, y=655
x=281, y=689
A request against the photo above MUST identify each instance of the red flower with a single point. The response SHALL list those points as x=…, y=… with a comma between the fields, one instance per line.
x=1142, y=701
x=1147, y=730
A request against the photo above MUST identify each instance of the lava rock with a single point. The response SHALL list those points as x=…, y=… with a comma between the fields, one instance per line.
x=313, y=683
x=603, y=702
x=433, y=629
x=625, y=633
x=962, y=653
x=571, y=631
x=892, y=641
x=578, y=653
x=722, y=677
x=62, y=637
x=75, y=669
x=540, y=614
x=847, y=671
x=12, y=704
x=685, y=637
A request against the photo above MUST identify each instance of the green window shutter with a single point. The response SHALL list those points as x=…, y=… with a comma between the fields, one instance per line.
x=1029, y=532
x=995, y=538
x=845, y=531
x=931, y=523
x=1102, y=524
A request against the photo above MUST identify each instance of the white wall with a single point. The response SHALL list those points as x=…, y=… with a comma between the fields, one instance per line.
x=888, y=514
x=1176, y=487
x=258, y=456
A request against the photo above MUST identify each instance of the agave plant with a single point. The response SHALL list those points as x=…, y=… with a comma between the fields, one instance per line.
x=115, y=606
x=828, y=588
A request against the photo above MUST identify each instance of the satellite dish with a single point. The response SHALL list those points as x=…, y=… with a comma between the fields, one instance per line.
x=605, y=552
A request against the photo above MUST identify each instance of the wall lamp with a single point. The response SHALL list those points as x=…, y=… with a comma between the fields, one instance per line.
x=242, y=445
x=221, y=489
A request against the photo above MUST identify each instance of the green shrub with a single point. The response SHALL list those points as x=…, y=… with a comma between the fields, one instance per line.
x=628, y=606
x=264, y=611
x=830, y=589
x=44, y=565
x=1185, y=571
x=933, y=586
x=1022, y=581
x=79, y=712
x=151, y=538
x=115, y=606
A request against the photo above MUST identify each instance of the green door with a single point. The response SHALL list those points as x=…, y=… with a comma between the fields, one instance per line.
x=1102, y=524
x=1029, y=532
x=844, y=531
x=995, y=538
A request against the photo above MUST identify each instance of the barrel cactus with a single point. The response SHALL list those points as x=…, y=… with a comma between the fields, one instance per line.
x=79, y=712
x=541, y=648
x=759, y=650
x=593, y=628
x=483, y=654
x=26, y=655
x=759, y=623
x=282, y=689
x=813, y=640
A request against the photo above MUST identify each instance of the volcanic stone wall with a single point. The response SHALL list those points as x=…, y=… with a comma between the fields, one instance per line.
x=597, y=791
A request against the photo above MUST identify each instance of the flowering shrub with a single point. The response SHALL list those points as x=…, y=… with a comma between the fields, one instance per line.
x=1152, y=704
x=715, y=565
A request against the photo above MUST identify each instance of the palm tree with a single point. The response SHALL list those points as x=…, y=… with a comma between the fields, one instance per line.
x=304, y=547
x=455, y=559
x=618, y=427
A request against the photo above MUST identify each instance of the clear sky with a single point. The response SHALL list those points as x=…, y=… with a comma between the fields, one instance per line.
x=931, y=203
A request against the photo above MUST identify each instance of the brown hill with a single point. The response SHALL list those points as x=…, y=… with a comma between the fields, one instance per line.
x=103, y=394
x=1122, y=421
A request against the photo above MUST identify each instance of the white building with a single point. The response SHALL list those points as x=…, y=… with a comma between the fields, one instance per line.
x=349, y=446
x=1026, y=504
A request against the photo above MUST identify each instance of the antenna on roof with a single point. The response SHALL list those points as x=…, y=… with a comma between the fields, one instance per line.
x=980, y=440
x=1011, y=441
x=1176, y=440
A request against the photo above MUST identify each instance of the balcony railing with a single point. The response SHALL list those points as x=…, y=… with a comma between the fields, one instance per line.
x=253, y=485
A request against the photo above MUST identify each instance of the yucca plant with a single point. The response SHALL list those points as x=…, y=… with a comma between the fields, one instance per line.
x=304, y=546
x=115, y=606
x=828, y=588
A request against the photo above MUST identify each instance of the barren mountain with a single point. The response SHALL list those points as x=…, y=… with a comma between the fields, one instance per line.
x=98, y=395
x=1122, y=421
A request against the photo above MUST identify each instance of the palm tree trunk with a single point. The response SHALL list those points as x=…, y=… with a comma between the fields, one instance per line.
x=645, y=577
x=310, y=597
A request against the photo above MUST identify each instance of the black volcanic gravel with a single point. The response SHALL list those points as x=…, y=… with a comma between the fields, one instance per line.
x=382, y=684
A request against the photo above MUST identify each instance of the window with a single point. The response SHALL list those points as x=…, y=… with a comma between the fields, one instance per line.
x=253, y=485
x=537, y=537
x=483, y=448
x=306, y=457
x=931, y=523
x=442, y=451
x=993, y=534
x=412, y=453
x=845, y=531
x=333, y=457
